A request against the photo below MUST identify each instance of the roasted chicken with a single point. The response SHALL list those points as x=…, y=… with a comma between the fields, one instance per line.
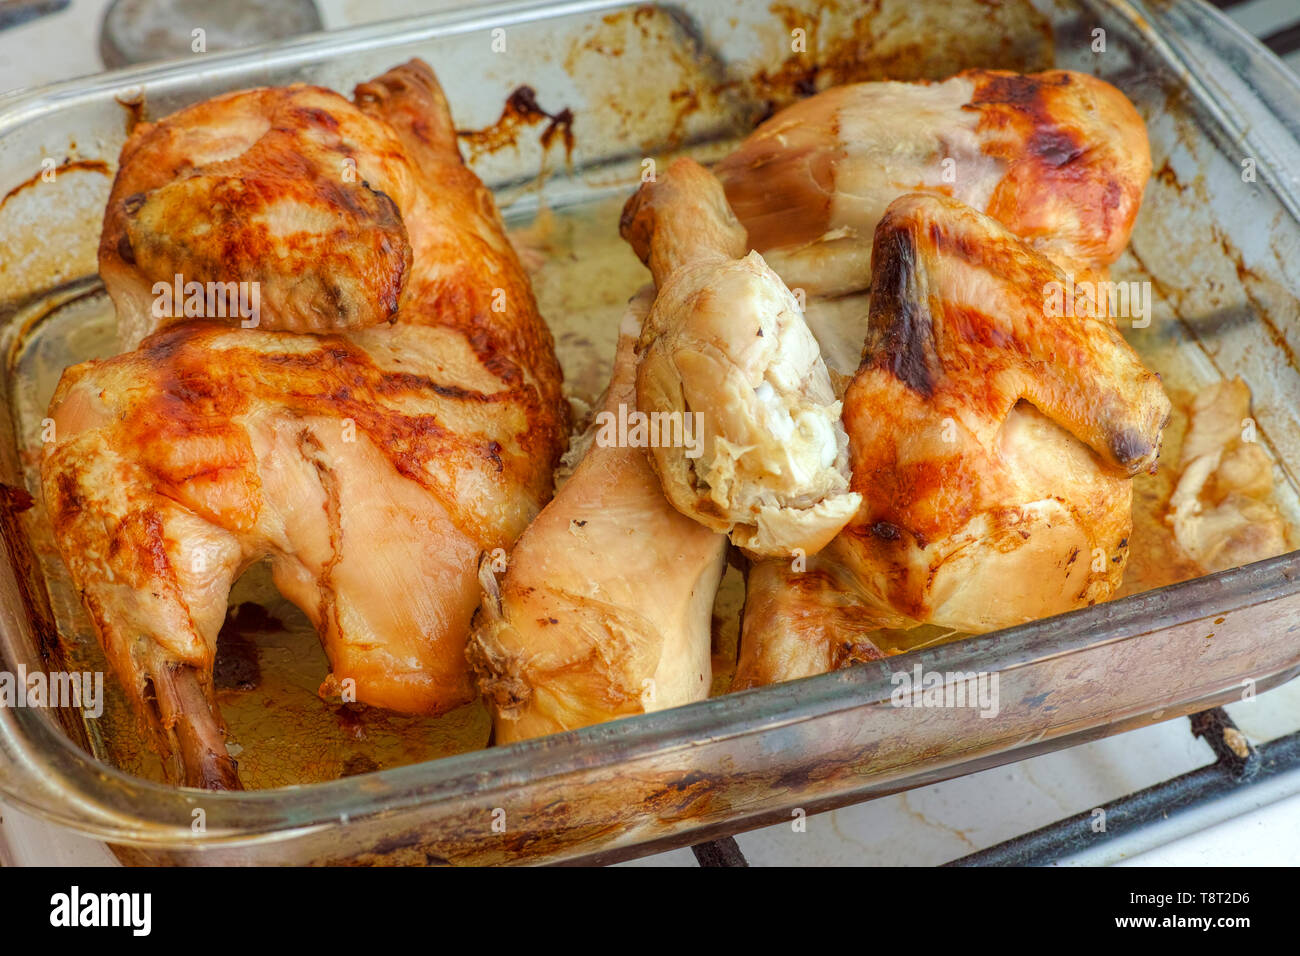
x=725, y=351
x=1059, y=158
x=606, y=606
x=371, y=466
x=297, y=190
x=806, y=617
x=1222, y=512
x=993, y=446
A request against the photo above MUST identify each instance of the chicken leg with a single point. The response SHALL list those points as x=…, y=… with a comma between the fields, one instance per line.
x=606, y=606
x=725, y=347
x=1059, y=158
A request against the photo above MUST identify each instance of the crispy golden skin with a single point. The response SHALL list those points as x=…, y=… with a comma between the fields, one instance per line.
x=296, y=189
x=1059, y=158
x=992, y=442
x=371, y=467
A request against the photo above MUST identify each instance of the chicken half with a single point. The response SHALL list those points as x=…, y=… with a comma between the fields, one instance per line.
x=606, y=607
x=1059, y=158
x=371, y=467
x=726, y=354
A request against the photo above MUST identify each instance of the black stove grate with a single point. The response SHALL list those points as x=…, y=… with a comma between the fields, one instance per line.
x=1237, y=765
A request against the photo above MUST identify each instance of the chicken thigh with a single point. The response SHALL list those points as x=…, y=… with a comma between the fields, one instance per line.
x=1059, y=158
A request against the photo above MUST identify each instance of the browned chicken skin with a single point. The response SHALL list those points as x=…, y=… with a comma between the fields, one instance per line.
x=992, y=443
x=263, y=186
x=993, y=446
x=372, y=467
x=1059, y=158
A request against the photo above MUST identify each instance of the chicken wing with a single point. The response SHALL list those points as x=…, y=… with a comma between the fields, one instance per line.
x=1059, y=158
x=992, y=443
x=606, y=607
x=371, y=467
x=725, y=351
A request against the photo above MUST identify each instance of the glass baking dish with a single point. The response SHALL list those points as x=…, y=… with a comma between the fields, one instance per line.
x=1219, y=246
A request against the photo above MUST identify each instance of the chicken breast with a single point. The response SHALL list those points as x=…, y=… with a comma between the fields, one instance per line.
x=605, y=609
x=371, y=467
x=1059, y=158
x=725, y=352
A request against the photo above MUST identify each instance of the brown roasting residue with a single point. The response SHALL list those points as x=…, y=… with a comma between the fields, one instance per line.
x=67, y=166
x=521, y=111
x=135, y=109
x=855, y=42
